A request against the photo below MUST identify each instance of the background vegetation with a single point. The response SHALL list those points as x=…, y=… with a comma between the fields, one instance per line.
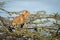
x=47, y=25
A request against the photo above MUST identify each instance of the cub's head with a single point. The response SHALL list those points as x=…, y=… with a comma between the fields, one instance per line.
x=25, y=13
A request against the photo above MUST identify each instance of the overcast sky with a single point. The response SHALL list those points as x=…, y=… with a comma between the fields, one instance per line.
x=49, y=6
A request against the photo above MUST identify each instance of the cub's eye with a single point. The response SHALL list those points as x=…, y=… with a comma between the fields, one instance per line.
x=22, y=15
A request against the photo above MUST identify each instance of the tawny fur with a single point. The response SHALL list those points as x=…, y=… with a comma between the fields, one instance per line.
x=22, y=18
